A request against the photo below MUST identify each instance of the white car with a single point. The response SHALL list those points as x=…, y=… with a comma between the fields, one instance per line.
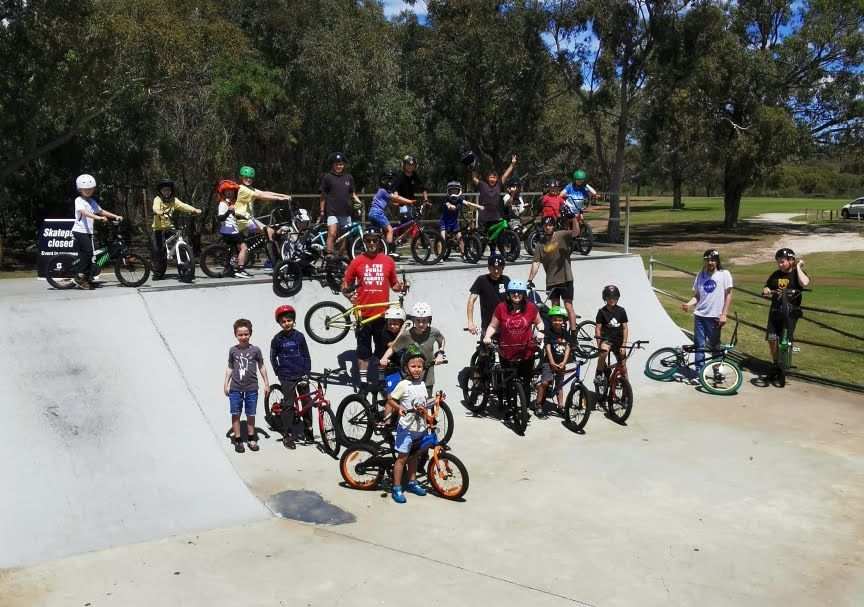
x=853, y=209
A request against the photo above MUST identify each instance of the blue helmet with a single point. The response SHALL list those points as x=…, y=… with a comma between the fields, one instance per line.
x=517, y=285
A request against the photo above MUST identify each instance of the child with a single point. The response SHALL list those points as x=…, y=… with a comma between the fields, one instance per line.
x=552, y=200
x=451, y=208
x=164, y=205
x=229, y=231
x=424, y=337
x=557, y=351
x=788, y=275
x=610, y=331
x=513, y=198
x=289, y=357
x=384, y=195
x=241, y=383
x=87, y=210
x=409, y=399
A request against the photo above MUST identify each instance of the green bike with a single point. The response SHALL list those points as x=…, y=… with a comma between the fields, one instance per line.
x=499, y=235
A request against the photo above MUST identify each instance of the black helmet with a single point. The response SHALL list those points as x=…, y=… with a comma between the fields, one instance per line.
x=784, y=253
x=514, y=182
x=496, y=261
x=165, y=183
x=336, y=157
x=372, y=233
x=611, y=291
x=409, y=159
x=711, y=255
x=386, y=179
x=548, y=221
x=412, y=352
x=468, y=159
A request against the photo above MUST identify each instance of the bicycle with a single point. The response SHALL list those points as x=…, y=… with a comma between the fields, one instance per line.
x=412, y=233
x=785, y=347
x=176, y=248
x=364, y=465
x=219, y=260
x=328, y=322
x=577, y=405
x=307, y=261
x=354, y=233
x=358, y=414
x=582, y=243
x=276, y=402
x=615, y=393
x=717, y=375
x=130, y=268
x=441, y=248
x=498, y=234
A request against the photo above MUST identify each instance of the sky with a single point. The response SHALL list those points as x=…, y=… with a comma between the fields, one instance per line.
x=394, y=7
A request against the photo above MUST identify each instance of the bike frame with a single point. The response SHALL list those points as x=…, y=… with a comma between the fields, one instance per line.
x=618, y=369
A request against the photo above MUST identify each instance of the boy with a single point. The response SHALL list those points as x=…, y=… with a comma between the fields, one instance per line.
x=490, y=195
x=610, y=332
x=289, y=357
x=164, y=205
x=552, y=200
x=424, y=337
x=577, y=194
x=408, y=184
x=451, y=208
x=241, y=383
x=788, y=275
x=87, y=210
x=557, y=353
x=408, y=398
x=228, y=230
x=378, y=209
x=246, y=195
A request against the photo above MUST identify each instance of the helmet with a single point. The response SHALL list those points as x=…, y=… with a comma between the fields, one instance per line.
x=517, y=285
x=454, y=185
x=548, y=221
x=711, y=254
x=580, y=174
x=372, y=233
x=409, y=159
x=285, y=309
x=85, y=182
x=386, y=179
x=784, y=253
x=468, y=159
x=247, y=171
x=227, y=184
x=165, y=183
x=335, y=157
x=611, y=291
x=394, y=313
x=557, y=311
x=496, y=261
x=421, y=309
x=301, y=215
x=412, y=352
x=514, y=182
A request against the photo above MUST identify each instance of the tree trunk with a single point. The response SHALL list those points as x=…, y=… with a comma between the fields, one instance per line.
x=614, y=229
x=677, y=182
x=733, y=188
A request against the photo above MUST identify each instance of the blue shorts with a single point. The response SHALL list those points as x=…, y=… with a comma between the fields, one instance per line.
x=405, y=438
x=243, y=400
x=379, y=220
x=450, y=226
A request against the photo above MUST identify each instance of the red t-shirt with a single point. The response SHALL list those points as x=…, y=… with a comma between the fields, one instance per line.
x=552, y=205
x=376, y=276
x=515, y=338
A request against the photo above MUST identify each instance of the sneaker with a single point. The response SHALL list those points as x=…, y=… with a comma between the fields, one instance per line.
x=308, y=436
x=157, y=277
x=538, y=412
x=415, y=488
x=253, y=443
x=268, y=265
x=398, y=496
x=238, y=446
x=288, y=441
x=395, y=256
x=242, y=274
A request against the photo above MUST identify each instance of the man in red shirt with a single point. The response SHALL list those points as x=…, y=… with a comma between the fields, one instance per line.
x=375, y=274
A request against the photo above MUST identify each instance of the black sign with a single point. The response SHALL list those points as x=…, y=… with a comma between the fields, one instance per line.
x=55, y=237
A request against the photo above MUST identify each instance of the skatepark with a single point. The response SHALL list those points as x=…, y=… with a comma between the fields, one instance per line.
x=121, y=488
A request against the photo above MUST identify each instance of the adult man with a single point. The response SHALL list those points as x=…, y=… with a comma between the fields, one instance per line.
x=407, y=184
x=555, y=257
x=375, y=274
x=337, y=192
x=490, y=289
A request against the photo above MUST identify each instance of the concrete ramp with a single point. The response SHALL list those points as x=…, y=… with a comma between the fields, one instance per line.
x=104, y=444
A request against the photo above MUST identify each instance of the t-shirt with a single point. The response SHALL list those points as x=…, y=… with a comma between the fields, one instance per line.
x=380, y=202
x=426, y=342
x=575, y=196
x=229, y=224
x=518, y=206
x=557, y=342
x=448, y=216
x=489, y=199
x=243, y=206
x=613, y=323
x=337, y=190
x=407, y=186
x=552, y=206
x=84, y=225
x=490, y=293
x=376, y=276
x=410, y=394
x=784, y=280
x=555, y=257
x=163, y=221
x=515, y=331
x=712, y=292
x=244, y=367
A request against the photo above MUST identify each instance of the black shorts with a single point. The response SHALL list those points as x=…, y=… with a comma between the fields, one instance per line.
x=563, y=291
x=614, y=347
x=233, y=239
x=775, y=327
x=366, y=333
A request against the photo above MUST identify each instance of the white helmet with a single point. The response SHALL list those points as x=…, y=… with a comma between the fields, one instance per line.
x=301, y=215
x=421, y=309
x=394, y=313
x=85, y=182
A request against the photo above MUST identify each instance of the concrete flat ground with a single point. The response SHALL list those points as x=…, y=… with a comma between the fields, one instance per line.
x=755, y=499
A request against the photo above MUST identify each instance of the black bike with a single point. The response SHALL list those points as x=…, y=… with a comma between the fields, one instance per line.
x=306, y=260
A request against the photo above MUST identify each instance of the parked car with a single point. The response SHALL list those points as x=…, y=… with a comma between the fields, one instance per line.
x=853, y=209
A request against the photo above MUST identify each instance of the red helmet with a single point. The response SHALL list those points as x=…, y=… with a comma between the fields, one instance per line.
x=286, y=309
x=227, y=184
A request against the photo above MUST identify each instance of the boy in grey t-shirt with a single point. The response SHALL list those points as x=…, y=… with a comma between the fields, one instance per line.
x=241, y=383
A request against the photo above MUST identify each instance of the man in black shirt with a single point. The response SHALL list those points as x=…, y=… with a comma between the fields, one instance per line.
x=407, y=184
x=337, y=192
x=490, y=289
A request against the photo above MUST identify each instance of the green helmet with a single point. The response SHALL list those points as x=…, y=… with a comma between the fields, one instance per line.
x=247, y=171
x=557, y=311
x=580, y=174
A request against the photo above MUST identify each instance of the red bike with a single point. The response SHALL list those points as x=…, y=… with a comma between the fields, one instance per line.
x=277, y=401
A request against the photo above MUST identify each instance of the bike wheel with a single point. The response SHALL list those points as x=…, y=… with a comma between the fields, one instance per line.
x=287, y=279
x=620, y=401
x=361, y=468
x=475, y=393
x=216, y=261
x=586, y=343
x=427, y=247
x=520, y=407
x=185, y=263
x=509, y=245
x=60, y=271
x=327, y=323
x=272, y=251
x=131, y=269
x=449, y=477
x=577, y=408
x=585, y=240
x=473, y=249
x=335, y=272
x=721, y=377
x=327, y=428
x=276, y=395
x=663, y=363
x=354, y=419
x=531, y=242
x=444, y=424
